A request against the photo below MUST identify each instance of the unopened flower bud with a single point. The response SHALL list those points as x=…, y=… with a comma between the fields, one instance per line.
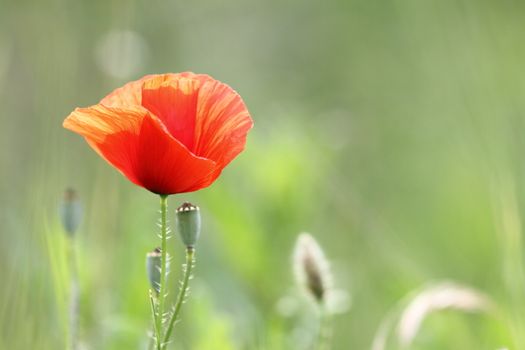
x=70, y=211
x=311, y=268
x=153, y=260
x=188, y=221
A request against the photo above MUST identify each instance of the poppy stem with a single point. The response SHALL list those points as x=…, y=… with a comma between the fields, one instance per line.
x=184, y=288
x=163, y=268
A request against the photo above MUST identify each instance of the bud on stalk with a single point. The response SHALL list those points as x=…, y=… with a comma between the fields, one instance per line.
x=70, y=211
x=188, y=221
x=311, y=268
x=153, y=260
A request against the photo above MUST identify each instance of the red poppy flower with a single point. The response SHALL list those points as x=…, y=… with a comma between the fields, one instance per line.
x=169, y=133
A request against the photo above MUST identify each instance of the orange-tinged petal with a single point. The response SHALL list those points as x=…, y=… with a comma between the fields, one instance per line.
x=222, y=124
x=139, y=145
x=131, y=93
x=97, y=122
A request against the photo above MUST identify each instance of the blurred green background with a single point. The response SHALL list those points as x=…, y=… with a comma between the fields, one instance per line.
x=390, y=130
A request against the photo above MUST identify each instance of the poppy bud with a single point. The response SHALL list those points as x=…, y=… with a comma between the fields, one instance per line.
x=70, y=211
x=153, y=260
x=312, y=270
x=188, y=221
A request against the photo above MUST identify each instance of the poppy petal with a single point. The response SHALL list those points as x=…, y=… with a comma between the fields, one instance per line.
x=174, y=102
x=131, y=93
x=127, y=95
x=222, y=124
x=138, y=144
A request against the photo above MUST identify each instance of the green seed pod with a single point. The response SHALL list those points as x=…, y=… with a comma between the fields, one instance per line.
x=153, y=260
x=188, y=221
x=70, y=211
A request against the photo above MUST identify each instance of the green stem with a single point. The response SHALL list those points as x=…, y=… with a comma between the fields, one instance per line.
x=188, y=266
x=324, y=337
x=163, y=267
x=156, y=330
x=74, y=295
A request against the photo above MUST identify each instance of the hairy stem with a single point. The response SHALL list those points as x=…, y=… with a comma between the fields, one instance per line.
x=163, y=269
x=187, y=267
x=156, y=330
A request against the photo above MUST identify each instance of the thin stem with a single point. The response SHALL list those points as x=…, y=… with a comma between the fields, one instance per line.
x=156, y=330
x=324, y=337
x=163, y=267
x=73, y=296
x=187, y=267
x=151, y=343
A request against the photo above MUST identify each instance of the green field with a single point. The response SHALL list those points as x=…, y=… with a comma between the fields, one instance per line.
x=392, y=131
